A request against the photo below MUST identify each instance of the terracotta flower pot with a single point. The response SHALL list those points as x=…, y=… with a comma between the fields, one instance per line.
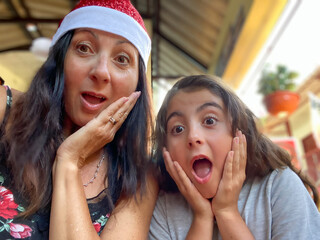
x=281, y=101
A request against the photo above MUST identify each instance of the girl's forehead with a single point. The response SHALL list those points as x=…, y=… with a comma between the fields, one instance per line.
x=196, y=96
x=198, y=99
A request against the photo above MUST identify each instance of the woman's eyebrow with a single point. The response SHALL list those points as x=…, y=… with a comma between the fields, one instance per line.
x=87, y=30
x=123, y=41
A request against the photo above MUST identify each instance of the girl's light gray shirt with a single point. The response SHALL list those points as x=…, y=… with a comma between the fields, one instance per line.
x=276, y=207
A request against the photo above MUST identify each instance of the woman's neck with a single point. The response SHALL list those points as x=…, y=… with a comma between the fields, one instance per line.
x=68, y=127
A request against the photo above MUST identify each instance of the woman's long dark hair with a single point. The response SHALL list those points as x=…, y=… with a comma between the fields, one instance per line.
x=263, y=156
x=34, y=133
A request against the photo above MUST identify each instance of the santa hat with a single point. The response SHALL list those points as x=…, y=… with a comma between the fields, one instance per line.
x=115, y=16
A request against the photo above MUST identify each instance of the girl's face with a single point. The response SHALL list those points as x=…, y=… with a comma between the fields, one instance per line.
x=199, y=137
x=99, y=68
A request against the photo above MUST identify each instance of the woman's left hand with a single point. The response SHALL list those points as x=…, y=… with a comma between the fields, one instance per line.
x=98, y=132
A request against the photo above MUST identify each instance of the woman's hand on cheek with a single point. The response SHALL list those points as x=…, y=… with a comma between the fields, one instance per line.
x=98, y=132
x=226, y=199
x=200, y=206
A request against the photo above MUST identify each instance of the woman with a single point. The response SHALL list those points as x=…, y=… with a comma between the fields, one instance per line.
x=74, y=149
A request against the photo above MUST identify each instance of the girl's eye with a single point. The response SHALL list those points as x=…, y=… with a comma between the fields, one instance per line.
x=210, y=121
x=122, y=59
x=177, y=130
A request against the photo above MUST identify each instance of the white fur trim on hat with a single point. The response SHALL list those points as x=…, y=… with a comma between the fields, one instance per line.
x=109, y=20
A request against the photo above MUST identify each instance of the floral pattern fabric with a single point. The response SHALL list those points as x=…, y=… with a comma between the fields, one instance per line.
x=8, y=210
x=36, y=227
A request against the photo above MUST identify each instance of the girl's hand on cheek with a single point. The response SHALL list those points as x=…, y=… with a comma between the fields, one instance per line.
x=200, y=206
x=98, y=132
x=226, y=199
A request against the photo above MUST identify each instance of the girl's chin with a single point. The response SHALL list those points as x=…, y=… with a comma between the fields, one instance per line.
x=207, y=194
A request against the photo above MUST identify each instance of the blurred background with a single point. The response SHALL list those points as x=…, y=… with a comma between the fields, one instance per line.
x=257, y=47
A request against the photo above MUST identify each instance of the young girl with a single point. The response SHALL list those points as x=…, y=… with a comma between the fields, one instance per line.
x=234, y=182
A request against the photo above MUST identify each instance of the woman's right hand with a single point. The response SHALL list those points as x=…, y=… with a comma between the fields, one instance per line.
x=201, y=206
x=96, y=133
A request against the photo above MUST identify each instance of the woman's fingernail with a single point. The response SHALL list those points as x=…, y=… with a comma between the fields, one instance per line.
x=137, y=94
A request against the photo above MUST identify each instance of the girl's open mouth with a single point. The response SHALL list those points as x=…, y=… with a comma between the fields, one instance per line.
x=202, y=169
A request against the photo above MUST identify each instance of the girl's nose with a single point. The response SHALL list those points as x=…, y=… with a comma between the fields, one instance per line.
x=194, y=138
x=100, y=70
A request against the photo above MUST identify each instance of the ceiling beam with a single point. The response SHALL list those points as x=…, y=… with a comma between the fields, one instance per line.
x=24, y=47
x=30, y=20
x=15, y=12
x=191, y=58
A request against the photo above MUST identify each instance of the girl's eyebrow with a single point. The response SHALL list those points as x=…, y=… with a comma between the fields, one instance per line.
x=179, y=114
x=200, y=108
x=207, y=104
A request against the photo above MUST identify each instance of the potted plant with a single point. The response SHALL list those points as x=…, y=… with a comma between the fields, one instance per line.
x=278, y=88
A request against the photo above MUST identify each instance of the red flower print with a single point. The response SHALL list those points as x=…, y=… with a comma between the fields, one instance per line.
x=20, y=230
x=97, y=226
x=7, y=205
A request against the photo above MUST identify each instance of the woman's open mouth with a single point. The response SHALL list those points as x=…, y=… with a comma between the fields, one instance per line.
x=202, y=169
x=92, y=102
x=93, y=99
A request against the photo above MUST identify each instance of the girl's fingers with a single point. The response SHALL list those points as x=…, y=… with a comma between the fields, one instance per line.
x=236, y=155
x=177, y=173
x=243, y=152
x=199, y=205
x=185, y=183
x=169, y=164
x=228, y=168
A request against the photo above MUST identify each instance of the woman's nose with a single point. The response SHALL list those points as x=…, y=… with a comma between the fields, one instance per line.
x=100, y=69
x=194, y=138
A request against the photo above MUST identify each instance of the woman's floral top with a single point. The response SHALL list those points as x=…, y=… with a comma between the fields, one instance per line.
x=37, y=227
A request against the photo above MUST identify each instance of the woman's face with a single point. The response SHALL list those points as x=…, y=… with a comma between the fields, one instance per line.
x=99, y=68
x=199, y=137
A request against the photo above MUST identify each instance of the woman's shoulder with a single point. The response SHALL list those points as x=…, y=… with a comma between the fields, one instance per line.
x=3, y=102
x=8, y=96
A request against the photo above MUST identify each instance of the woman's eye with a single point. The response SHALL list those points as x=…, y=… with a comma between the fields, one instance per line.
x=83, y=48
x=210, y=121
x=177, y=129
x=122, y=59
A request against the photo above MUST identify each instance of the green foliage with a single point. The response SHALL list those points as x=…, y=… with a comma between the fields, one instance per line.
x=281, y=79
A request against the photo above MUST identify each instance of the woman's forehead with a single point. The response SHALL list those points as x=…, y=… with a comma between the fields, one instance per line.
x=96, y=33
